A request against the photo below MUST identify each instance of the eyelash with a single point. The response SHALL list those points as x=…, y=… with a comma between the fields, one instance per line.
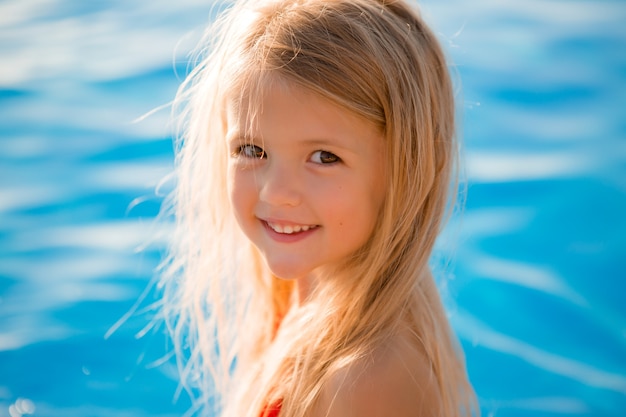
x=256, y=152
x=244, y=151
x=326, y=155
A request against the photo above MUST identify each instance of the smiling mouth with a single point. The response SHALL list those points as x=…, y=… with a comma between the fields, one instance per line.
x=290, y=229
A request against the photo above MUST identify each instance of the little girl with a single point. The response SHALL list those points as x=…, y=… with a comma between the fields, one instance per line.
x=314, y=170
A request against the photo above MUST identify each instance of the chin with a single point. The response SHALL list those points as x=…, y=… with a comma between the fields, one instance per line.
x=286, y=273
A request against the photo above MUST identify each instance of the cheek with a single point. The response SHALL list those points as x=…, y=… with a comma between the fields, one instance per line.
x=231, y=185
x=375, y=200
x=356, y=214
x=240, y=191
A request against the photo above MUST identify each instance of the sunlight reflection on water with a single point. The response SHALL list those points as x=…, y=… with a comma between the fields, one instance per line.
x=537, y=286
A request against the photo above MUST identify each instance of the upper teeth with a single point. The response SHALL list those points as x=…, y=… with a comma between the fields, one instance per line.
x=289, y=229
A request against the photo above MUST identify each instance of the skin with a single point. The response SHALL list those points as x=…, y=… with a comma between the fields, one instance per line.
x=394, y=380
x=307, y=165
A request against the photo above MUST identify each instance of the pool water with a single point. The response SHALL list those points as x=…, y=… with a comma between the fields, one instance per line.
x=537, y=285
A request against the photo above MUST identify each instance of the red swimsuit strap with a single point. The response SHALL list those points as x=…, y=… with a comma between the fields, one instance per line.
x=272, y=410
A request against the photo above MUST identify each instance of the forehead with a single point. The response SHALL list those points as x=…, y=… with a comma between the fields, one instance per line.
x=259, y=101
x=246, y=98
x=288, y=109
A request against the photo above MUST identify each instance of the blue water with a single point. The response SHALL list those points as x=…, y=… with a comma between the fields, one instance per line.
x=537, y=287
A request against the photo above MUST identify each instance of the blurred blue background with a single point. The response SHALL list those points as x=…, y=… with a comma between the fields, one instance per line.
x=536, y=290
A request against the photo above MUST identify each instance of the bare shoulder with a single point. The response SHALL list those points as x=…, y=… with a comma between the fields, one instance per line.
x=396, y=379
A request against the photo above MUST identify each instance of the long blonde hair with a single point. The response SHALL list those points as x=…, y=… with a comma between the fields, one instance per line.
x=379, y=60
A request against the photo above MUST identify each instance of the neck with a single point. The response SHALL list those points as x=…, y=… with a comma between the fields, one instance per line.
x=304, y=288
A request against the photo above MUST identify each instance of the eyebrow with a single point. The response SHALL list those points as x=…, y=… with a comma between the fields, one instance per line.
x=237, y=136
x=325, y=143
x=319, y=142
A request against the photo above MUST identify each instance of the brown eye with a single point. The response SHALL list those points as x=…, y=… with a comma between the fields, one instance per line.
x=324, y=157
x=251, y=151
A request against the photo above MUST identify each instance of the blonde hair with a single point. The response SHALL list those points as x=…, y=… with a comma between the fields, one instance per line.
x=380, y=61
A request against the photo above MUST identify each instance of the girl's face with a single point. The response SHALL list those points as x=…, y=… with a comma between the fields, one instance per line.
x=306, y=180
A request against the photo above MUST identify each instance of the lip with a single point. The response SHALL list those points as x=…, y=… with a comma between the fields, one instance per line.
x=284, y=237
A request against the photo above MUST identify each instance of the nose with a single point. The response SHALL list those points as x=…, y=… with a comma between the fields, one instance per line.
x=280, y=185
